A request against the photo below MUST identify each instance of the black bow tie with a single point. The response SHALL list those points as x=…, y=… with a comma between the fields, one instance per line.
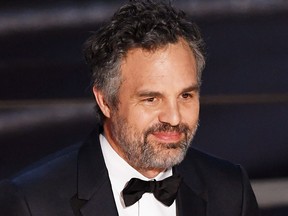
x=165, y=191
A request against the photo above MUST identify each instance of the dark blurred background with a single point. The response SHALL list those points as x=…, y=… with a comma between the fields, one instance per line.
x=46, y=102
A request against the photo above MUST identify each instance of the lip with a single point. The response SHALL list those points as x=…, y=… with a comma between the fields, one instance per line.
x=167, y=136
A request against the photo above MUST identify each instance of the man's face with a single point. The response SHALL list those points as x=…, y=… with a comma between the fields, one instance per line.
x=158, y=108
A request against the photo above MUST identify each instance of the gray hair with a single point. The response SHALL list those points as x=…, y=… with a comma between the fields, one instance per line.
x=144, y=24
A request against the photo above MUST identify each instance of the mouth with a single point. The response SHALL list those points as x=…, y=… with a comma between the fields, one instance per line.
x=167, y=137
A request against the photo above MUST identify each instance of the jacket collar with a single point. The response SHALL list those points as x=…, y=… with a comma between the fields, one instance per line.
x=95, y=196
x=192, y=195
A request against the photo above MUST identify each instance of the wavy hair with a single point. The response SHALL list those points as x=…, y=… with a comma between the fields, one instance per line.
x=144, y=24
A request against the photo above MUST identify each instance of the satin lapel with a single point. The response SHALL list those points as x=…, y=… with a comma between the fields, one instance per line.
x=95, y=196
x=192, y=195
x=189, y=203
x=101, y=204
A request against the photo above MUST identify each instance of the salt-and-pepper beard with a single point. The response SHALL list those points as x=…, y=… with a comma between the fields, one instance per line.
x=141, y=153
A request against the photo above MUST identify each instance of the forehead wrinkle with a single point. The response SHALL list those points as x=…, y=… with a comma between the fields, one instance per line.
x=130, y=66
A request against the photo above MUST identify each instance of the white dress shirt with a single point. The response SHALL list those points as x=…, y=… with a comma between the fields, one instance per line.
x=120, y=172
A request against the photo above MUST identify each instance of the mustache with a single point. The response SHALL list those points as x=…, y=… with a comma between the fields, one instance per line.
x=166, y=127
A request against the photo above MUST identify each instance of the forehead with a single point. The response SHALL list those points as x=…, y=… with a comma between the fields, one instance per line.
x=169, y=60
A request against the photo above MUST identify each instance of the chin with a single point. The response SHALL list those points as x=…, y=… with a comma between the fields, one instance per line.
x=168, y=159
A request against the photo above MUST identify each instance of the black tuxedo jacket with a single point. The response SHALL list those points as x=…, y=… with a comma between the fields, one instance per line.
x=76, y=182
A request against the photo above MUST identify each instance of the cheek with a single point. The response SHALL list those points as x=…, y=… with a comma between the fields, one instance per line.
x=191, y=114
x=142, y=120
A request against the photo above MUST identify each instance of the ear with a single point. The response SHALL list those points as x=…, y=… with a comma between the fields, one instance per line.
x=99, y=97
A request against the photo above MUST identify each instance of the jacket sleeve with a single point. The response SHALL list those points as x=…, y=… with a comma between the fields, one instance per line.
x=12, y=202
x=249, y=205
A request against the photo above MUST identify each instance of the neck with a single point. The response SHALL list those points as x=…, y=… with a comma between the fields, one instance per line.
x=150, y=173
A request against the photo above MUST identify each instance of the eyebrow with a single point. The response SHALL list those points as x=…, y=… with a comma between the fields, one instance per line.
x=194, y=87
x=148, y=94
x=144, y=93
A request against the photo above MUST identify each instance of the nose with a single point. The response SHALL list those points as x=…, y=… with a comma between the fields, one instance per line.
x=170, y=114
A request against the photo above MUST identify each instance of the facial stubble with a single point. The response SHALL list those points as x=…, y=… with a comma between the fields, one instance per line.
x=142, y=152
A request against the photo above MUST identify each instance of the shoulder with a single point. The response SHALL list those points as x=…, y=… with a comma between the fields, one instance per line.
x=53, y=178
x=225, y=183
x=210, y=162
x=212, y=170
x=51, y=168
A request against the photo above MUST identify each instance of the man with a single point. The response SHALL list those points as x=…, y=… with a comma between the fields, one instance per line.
x=146, y=65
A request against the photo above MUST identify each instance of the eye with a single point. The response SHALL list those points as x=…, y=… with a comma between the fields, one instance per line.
x=151, y=99
x=186, y=95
